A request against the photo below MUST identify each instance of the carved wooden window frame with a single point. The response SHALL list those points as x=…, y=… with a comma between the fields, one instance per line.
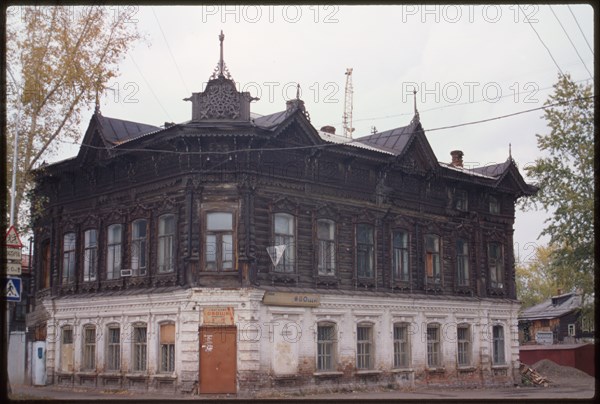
x=68, y=258
x=90, y=256
x=405, y=251
x=326, y=248
x=439, y=254
x=172, y=238
x=219, y=234
x=293, y=260
x=117, y=252
x=372, y=247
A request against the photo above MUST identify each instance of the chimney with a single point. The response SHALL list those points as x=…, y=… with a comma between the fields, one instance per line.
x=328, y=129
x=457, y=158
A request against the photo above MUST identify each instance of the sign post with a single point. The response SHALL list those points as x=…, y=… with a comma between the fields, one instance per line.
x=11, y=286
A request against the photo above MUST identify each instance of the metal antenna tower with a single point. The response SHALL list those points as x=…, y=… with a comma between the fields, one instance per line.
x=347, y=118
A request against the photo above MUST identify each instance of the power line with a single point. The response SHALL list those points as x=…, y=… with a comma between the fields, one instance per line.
x=580, y=30
x=329, y=144
x=170, y=53
x=518, y=93
x=540, y=38
x=150, y=87
x=572, y=44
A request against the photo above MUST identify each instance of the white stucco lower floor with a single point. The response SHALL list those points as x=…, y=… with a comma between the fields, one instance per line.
x=347, y=339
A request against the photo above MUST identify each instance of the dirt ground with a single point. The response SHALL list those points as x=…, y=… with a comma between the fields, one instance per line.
x=561, y=376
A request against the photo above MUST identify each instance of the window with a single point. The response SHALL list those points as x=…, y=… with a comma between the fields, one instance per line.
x=401, y=346
x=494, y=205
x=462, y=262
x=433, y=346
x=219, y=241
x=498, y=348
x=400, y=255
x=365, y=246
x=326, y=248
x=139, y=348
x=166, y=235
x=66, y=350
x=364, y=346
x=113, y=252
x=571, y=330
x=90, y=256
x=89, y=348
x=167, y=347
x=45, y=281
x=113, y=357
x=432, y=258
x=496, y=265
x=285, y=236
x=461, y=200
x=139, y=230
x=587, y=323
x=68, y=269
x=463, y=337
x=326, y=347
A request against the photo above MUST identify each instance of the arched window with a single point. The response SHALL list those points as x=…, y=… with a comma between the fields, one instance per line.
x=139, y=351
x=365, y=349
x=401, y=345
x=326, y=346
x=89, y=348
x=167, y=347
x=113, y=347
x=66, y=348
x=434, y=349
x=498, y=345
x=463, y=340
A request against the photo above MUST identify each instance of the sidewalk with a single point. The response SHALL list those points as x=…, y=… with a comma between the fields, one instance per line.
x=21, y=392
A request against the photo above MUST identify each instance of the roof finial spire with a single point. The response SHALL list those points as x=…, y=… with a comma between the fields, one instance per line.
x=415, y=100
x=221, y=60
x=509, y=151
x=298, y=91
x=97, y=106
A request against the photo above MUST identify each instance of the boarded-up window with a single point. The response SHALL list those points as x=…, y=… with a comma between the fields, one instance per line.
x=66, y=349
x=167, y=347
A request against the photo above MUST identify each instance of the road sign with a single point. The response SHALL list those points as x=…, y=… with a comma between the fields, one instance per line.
x=13, y=268
x=12, y=238
x=13, y=253
x=11, y=289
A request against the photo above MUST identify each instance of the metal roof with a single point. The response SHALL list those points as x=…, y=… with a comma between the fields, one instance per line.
x=393, y=141
x=554, y=307
x=116, y=131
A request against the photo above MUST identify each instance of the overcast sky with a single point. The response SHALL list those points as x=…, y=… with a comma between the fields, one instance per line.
x=468, y=63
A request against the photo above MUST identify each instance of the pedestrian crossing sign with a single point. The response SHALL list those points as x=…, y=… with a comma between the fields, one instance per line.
x=11, y=289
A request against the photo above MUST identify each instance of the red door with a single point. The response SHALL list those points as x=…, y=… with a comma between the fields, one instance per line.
x=218, y=359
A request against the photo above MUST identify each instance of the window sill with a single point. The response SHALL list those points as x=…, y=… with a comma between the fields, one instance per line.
x=328, y=374
x=109, y=375
x=165, y=376
x=403, y=370
x=284, y=377
x=136, y=375
x=367, y=372
x=217, y=273
x=87, y=373
x=504, y=366
x=466, y=368
x=436, y=370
